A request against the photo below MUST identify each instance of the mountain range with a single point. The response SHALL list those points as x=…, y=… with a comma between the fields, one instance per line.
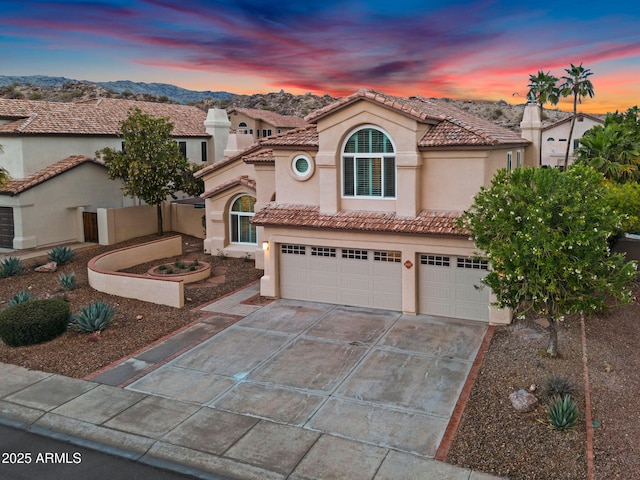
x=172, y=92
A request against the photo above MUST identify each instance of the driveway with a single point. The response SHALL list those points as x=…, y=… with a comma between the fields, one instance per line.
x=373, y=376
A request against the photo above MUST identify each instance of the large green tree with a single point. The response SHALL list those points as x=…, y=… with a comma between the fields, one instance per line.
x=575, y=84
x=545, y=234
x=151, y=164
x=613, y=149
x=543, y=90
x=4, y=175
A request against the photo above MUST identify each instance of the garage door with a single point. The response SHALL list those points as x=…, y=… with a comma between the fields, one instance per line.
x=344, y=276
x=6, y=227
x=447, y=287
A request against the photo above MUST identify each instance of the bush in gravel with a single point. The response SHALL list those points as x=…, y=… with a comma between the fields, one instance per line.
x=20, y=297
x=61, y=255
x=93, y=317
x=563, y=413
x=11, y=266
x=558, y=386
x=32, y=322
x=67, y=281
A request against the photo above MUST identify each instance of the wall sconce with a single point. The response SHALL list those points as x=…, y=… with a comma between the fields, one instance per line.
x=265, y=245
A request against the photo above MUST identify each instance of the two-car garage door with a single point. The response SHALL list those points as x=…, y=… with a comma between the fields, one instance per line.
x=346, y=276
x=372, y=278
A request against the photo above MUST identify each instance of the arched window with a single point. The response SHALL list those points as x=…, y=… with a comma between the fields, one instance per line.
x=242, y=211
x=242, y=125
x=369, y=165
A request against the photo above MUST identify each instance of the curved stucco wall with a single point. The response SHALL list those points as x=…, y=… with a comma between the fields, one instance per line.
x=105, y=277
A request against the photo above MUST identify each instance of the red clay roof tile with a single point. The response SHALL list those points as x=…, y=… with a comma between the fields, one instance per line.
x=427, y=222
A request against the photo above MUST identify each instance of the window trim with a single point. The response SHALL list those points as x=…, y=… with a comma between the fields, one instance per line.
x=369, y=156
x=296, y=174
x=249, y=215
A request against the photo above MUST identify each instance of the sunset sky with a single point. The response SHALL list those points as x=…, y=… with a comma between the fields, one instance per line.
x=457, y=49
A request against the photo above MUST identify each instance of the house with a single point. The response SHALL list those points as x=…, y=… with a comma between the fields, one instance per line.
x=57, y=184
x=261, y=123
x=359, y=207
x=556, y=136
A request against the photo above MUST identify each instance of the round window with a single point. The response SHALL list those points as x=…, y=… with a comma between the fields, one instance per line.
x=301, y=166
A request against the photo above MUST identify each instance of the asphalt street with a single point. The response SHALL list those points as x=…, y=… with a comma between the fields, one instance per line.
x=28, y=456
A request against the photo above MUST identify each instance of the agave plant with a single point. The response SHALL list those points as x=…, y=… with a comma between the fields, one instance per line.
x=558, y=386
x=93, y=317
x=20, y=297
x=563, y=413
x=10, y=267
x=67, y=281
x=61, y=255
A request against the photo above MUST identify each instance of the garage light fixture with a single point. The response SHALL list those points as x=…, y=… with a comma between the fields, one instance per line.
x=265, y=245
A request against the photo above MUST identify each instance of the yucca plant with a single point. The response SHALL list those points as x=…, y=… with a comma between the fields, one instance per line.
x=562, y=413
x=20, y=297
x=93, y=317
x=67, y=281
x=11, y=266
x=61, y=255
x=558, y=386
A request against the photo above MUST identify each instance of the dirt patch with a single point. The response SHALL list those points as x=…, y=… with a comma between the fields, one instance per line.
x=495, y=439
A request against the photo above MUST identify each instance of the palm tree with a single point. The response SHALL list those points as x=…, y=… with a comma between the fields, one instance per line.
x=542, y=90
x=576, y=83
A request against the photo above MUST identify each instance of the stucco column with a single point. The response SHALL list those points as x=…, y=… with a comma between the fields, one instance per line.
x=217, y=124
x=330, y=184
x=268, y=282
x=409, y=282
x=531, y=129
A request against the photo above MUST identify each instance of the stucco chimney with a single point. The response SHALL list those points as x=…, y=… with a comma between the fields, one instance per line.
x=531, y=129
x=217, y=124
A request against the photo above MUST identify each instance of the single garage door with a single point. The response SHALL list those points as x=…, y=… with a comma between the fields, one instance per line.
x=344, y=276
x=447, y=287
x=6, y=227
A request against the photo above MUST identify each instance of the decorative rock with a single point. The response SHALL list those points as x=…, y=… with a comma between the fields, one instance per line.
x=542, y=321
x=139, y=317
x=47, y=267
x=523, y=401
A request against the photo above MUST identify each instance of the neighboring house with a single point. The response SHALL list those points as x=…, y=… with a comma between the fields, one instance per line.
x=556, y=136
x=57, y=185
x=359, y=207
x=261, y=123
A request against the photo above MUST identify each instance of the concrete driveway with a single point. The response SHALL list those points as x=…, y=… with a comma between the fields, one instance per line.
x=373, y=376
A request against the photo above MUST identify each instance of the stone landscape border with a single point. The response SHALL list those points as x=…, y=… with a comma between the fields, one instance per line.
x=105, y=277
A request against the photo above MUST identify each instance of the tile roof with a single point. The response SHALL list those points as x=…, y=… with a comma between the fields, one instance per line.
x=244, y=180
x=272, y=118
x=261, y=156
x=568, y=119
x=427, y=222
x=14, y=187
x=93, y=117
x=304, y=137
x=453, y=126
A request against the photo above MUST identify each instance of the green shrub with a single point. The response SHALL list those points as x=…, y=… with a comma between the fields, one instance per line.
x=179, y=264
x=20, y=297
x=34, y=322
x=67, y=281
x=61, y=255
x=93, y=318
x=162, y=267
x=557, y=386
x=563, y=413
x=11, y=266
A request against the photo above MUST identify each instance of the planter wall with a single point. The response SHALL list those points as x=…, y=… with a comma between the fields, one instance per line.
x=104, y=277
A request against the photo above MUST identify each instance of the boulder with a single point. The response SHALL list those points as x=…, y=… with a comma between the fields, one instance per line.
x=523, y=401
x=47, y=267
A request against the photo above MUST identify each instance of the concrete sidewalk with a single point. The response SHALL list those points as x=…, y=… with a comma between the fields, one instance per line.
x=186, y=433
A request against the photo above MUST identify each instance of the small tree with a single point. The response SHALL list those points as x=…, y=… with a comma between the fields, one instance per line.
x=613, y=149
x=4, y=175
x=151, y=165
x=545, y=233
